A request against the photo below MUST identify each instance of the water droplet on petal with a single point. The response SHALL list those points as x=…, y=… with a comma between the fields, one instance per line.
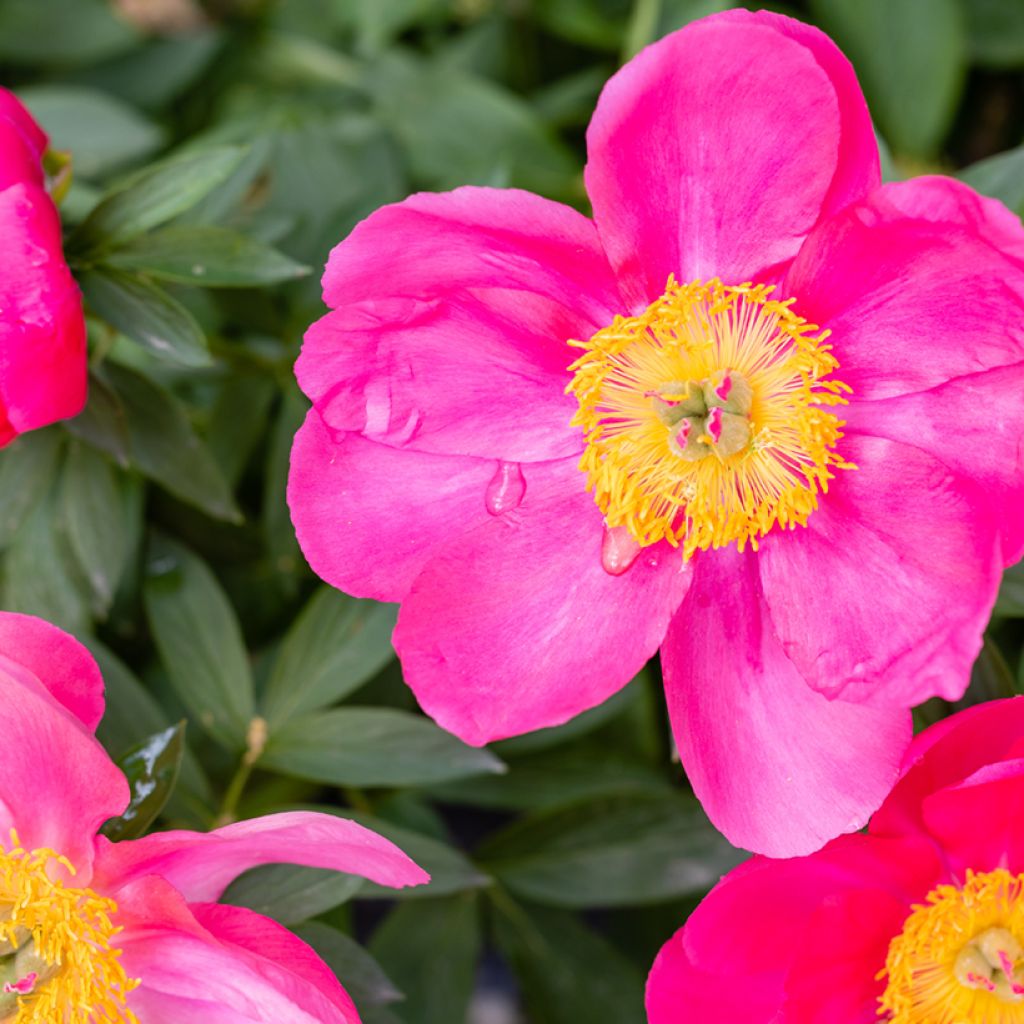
x=619, y=550
x=506, y=489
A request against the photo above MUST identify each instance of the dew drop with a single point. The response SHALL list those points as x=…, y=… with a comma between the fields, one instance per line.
x=618, y=550
x=506, y=489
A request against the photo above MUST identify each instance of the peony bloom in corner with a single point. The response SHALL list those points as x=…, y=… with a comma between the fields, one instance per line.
x=921, y=921
x=42, y=329
x=760, y=412
x=132, y=932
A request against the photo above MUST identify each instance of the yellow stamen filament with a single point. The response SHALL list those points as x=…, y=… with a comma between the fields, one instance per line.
x=707, y=495
x=65, y=936
x=958, y=958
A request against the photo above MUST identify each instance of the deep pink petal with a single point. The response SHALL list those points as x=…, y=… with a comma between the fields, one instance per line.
x=17, y=113
x=975, y=426
x=368, y=516
x=716, y=150
x=913, y=297
x=57, y=784
x=884, y=595
x=222, y=964
x=515, y=625
x=57, y=660
x=947, y=753
x=201, y=865
x=452, y=318
x=42, y=329
x=778, y=767
x=18, y=160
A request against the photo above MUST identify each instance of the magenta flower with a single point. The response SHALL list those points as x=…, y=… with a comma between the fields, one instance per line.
x=921, y=921
x=42, y=330
x=131, y=931
x=759, y=412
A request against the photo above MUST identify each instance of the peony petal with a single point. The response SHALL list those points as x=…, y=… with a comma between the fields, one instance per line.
x=912, y=301
x=18, y=160
x=57, y=784
x=716, y=150
x=779, y=768
x=884, y=595
x=56, y=660
x=975, y=426
x=42, y=330
x=13, y=110
x=452, y=318
x=368, y=517
x=201, y=865
x=515, y=625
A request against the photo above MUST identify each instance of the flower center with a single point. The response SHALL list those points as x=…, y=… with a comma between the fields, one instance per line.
x=959, y=957
x=56, y=958
x=706, y=417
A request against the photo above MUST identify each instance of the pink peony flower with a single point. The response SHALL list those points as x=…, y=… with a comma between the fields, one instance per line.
x=759, y=412
x=132, y=931
x=42, y=330
x=921, y=921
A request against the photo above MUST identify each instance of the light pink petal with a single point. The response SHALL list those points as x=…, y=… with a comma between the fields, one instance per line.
x=201, y=865
x=56, y=660
x=515, y=625
x=57, y=784
x=452, y=318
x=368, y=516
x=221, y=964
x=716, y=150
x=779, y=768
x=42, y=329
x=975, y=426
x=884, y=595
x=947, y=753
x=913, y=296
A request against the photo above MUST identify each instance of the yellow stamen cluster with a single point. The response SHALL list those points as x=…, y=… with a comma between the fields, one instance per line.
x=697, y=332
x=957, y=959
x=67, y=933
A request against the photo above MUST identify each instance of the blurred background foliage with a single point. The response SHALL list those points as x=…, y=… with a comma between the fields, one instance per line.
x=219, y=150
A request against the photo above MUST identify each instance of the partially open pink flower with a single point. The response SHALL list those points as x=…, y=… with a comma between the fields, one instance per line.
x=125, y=932
x=759, y=412
x=921, y=921
x=42, y=330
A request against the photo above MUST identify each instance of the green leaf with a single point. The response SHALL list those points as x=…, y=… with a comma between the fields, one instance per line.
x=151, y=769
x=101, y=133
x=27, y=470
x=204, y=255
x=155, y=195
x=1001, y=177
x=335, y=645
x=102, y=422
x=436, y=975
x=200, y=642
x=372, y=747
x=290, y=893
x=991, y=678
x=911, y=57
x=147, y=314
x=54, y=30
x=363, y=977
x=164, y=446
x=610, y=852
x=996, y=32
x=567, y=973
x=1010, y=602
x=93, y=512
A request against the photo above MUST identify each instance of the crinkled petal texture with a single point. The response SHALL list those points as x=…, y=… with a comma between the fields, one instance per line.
x=201, y=865
x=224, y=964
x=716, y=150
x=514, y=625
x=923, y=289
x=42, y=328
x=779, y=767
x=800, y=941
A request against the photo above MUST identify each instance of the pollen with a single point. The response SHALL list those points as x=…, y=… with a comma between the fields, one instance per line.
x=707, y=417
x=57, y=956
x=959, y=958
